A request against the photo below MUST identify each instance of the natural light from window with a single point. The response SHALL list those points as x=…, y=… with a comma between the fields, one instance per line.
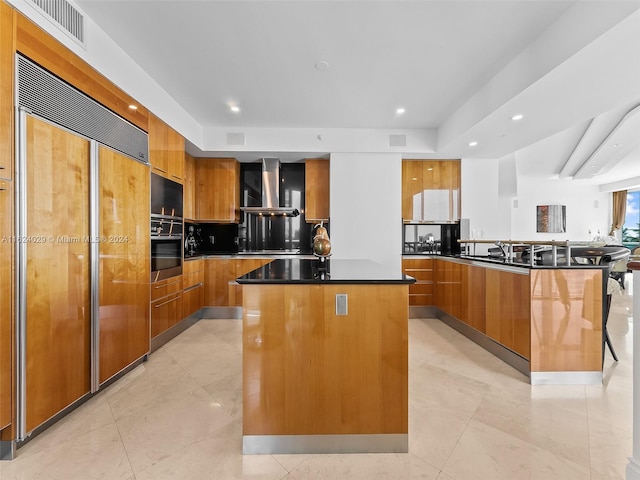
x=631, y=227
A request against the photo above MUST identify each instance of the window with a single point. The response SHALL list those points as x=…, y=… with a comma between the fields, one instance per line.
x=631, y=227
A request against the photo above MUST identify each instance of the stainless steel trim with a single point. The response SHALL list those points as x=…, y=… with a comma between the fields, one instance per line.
x=364, y=443
x=7, y=449
x=21, y=271
x=221, y=313
x=178, y=295
x=94, y=265
x=166, y=284
x=193, y=287
x=566, y=378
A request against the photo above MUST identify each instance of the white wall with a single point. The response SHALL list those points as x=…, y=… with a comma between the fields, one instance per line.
x=366, y=207
x=587, y=208
x=488, y=212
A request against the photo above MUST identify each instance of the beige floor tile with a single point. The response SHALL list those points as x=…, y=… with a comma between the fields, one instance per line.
x=487, y=453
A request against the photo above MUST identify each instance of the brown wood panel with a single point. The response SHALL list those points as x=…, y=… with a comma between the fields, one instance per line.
x=508, y=318
x=45, y=50
x=57, y=274
x=168, y=286
x=420, y=299
x=124, y=262
x=566, y=320
x=189, y=191
x=7, y=50
x=317, y=188
x=192, y=266
x=166, y=150
x=165, y=313
x=411, y=186
x=217, y=274
x=243, y=266
x=308, y=371
x=218, y=190
x=6, y=311
x=192, y=300
x=474, y=291
x=448, y=287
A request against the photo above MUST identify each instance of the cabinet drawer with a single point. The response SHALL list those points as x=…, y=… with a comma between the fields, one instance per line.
x=419, y=274
x=421, y=289
x=165, y=313
x=192, y=266
x=192, y=300
x=420, y=300
x=191, y=279
x=166, y=287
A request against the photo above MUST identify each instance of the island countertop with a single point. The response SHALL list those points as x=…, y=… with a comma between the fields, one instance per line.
x=336, y=271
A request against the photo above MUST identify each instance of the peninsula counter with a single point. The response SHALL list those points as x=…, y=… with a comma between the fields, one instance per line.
x=325, y=357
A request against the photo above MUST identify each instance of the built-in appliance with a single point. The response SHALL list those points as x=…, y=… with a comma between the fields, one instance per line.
x=166, y=228
x=265, y=229
x=431, y=238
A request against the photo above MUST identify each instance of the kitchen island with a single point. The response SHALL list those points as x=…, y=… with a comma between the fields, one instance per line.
x=325, y=357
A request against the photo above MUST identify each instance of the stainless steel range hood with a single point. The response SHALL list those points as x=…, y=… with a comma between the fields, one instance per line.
x=271, y=192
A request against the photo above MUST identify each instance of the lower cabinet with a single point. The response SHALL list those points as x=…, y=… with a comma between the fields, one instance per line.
x=192, y=286
x=166, y=304
x=221, y=288
x=421, y=292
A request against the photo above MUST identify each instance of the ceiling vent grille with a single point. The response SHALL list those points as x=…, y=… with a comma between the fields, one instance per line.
x=397, y=140
x=65, y=15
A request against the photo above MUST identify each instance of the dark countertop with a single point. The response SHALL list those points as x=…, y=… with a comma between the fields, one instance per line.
x=310, y=271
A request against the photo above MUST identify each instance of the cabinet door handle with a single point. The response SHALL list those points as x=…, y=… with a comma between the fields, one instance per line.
x=176, y=176
x=193, y=287
x=168, y=301
x=159, y=169
x=166, y=284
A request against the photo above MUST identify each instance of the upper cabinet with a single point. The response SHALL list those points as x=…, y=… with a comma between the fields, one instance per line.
x=430, y=190
x=6, y=89
x=217, y=190
x=316, y=190
x=189, y=187
x=166, y=150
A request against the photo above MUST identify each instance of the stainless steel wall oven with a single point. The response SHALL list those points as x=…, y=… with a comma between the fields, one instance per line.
x=167, y=242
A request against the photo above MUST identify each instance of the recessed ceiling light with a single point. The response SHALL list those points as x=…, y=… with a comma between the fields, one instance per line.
x=234, y=108
x=400, y=111
x=517, y=116
x=616, y=145
x=322, y=65
x=133, y=107
x=473, y=144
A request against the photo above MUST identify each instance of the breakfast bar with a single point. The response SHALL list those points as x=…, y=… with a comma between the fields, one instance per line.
x=325, y=357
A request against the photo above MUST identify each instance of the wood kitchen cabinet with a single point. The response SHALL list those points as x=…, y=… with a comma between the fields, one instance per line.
x=166, y=304
x=218, y=190
x=125, y=265
x=6, y=90
x=222, y=290
x=6, y=287
x=189, y=191
x=430, y=190
x=421, y=292
x=166, y=150
x=192, y=286
x=316, y=190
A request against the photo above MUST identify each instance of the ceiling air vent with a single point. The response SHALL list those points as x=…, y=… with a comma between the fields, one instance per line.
x=397, y=140
x=235, y=139
x=65, y=15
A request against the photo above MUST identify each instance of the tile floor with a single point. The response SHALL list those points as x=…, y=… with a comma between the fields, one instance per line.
x=471, y=416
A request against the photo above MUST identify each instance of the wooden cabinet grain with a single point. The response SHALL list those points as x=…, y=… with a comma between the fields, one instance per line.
x=430, y=190
x=192, y=286
x=317, y=185
x=166, y=150
x=6, y=287
x=124, y=262
x=189, y=191
x=218, y=190
x=6, y=89
x=166, y=304
x=221, y=289
x=421, y=292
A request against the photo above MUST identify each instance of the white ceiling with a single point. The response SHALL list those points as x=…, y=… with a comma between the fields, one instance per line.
x=460, y=69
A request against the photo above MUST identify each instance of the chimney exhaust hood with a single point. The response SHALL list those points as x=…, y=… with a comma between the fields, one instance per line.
x=271, y=192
